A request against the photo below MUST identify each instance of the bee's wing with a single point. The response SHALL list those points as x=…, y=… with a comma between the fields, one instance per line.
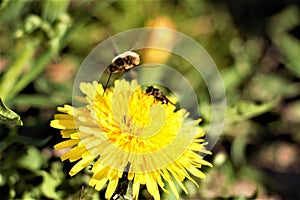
x=115, y=49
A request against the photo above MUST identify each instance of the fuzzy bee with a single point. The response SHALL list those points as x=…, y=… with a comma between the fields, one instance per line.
x=158, y=95
x=123, y=62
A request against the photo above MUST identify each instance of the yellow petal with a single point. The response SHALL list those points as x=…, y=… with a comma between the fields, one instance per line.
x=98, y=184
x=173, y=188
x=66, y=133
x=111, y=188
x=196, y=172
x=63, y=124
x=152, y=186
x=80, y=165
x=66, y=144
x=66, y=109
x=135, y=188
x=74, y=154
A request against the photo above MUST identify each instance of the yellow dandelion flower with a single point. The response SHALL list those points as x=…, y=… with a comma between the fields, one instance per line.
x=128, y=129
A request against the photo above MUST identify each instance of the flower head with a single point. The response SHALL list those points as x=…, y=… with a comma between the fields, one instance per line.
x=125, y=128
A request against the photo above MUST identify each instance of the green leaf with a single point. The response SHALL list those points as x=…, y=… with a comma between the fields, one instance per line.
x=238, y=154
x=11, y=77
x=51, y=10
x=52, y=180
x=37, y=101
x=4, y=4
x=33, y=159
x=264, y=87
x=31, y=141
x=11, y=10
x=8, y=116
x=49, y=185
x=284, y=21
x=36, y=69
x=289, y=47
x=244, y=110
x=236, y=75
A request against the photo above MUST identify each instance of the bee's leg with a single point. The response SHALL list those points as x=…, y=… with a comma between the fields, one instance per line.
x=110, y=73
x=170, y=102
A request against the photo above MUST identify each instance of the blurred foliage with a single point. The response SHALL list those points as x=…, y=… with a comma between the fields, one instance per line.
x=8, y=116
x=255, y=44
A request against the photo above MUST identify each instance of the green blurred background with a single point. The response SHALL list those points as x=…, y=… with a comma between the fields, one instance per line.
x=255, y=44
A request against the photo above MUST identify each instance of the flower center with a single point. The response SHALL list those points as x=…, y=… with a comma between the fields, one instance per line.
x=138, y=129
x=136, y=122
